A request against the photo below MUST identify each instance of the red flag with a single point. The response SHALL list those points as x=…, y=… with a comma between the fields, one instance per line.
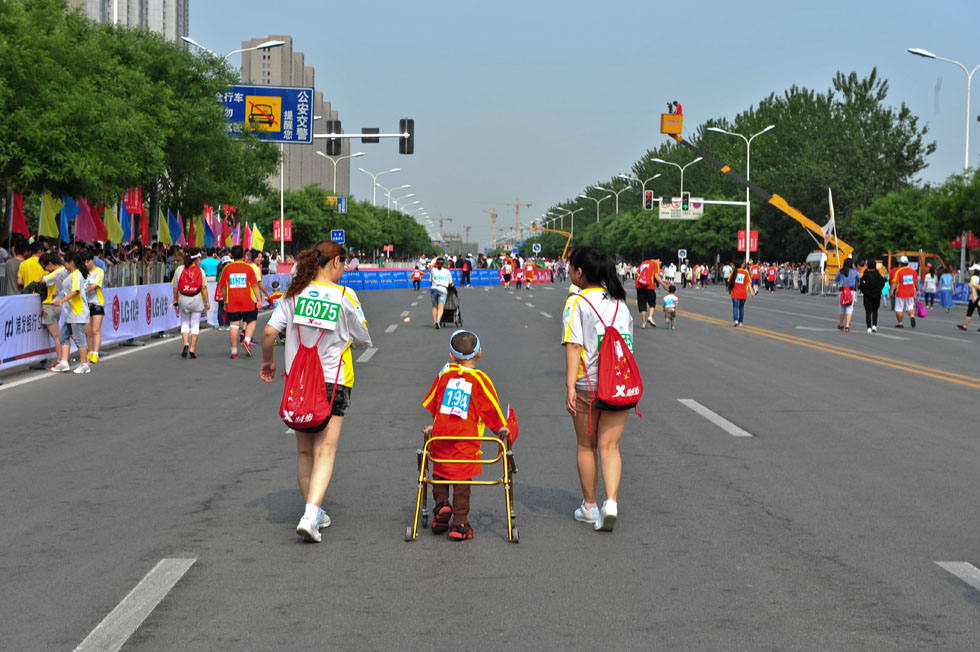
x=101, y=232
x=144, y=228
x=19, y=223
x=191, y=241
x=85, y=230
x=229, y=210
x=226, y=231
x=133, y=199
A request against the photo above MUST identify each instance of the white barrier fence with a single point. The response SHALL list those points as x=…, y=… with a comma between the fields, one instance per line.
x=130, y=312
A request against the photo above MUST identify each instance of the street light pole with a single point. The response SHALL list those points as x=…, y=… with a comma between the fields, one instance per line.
x=966, y=149
x=748, y=177
x=597, y=202
x=335, y=160
x=643, y=184
x=375, y=184
x=679, y=167
x=261, y=46
x=617, y=193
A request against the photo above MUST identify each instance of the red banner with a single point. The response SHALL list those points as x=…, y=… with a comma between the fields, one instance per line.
x=287, y=236
x=972, y=242
x=753, y=240
x=133, y=200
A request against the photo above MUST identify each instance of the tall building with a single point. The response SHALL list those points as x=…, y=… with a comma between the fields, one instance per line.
x=283, y=66
x=168, y=17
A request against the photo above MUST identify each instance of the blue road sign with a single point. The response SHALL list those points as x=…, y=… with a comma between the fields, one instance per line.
x=536, y=247
x=341, y=205
x=681, y=254
x=513, y=252
x=277, y=114
x=338, y=236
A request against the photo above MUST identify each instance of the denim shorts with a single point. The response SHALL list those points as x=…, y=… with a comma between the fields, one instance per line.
x=438, y=294
x=73, y=331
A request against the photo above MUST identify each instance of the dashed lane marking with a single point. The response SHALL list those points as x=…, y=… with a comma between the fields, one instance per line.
x=391, y=328
x=116, y=628
x=715, y=418
x=544, y=314
x=966, y=573
x=529, y=305
x=415, y=303
x=406, y=313
x=368, y=354
x=831, y=330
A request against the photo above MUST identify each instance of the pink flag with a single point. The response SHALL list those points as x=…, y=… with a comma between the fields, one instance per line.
x=84, y=224
x=181, y=240
x=247, y=242
x=236, y=235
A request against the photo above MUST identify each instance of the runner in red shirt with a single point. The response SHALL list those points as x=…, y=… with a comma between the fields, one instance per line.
x=771, y=278
x=756, y=272
x=739, y=286
x=417, y=278
x=463, y=403
x=237, y=284
x=648, y=277
x=905, y=290
x=529, y=272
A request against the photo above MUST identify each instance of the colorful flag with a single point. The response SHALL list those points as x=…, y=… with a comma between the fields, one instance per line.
x=114, y=231
x=19, y=223
x=247, y=240
x=68, y=213
x=181, y=239
x=208, y=235
x=50, y=207
x=227, y=233
x=258, y=242
x=198, y=230
x=144, y=228
x=236, y=235
x=165, y=236
x=126, y=221
x=88, y=225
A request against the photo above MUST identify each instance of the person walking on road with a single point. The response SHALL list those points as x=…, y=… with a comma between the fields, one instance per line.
x=847, y=281
x=739, y=287
x=318, y=272
x=648, y=277
x=871, y=284
x=930, y=284
x=946, y=289
x=974, y=297
x=597, y=430
x=239, y=287
x=191, y=295
x=441, y=279
x=905, y=290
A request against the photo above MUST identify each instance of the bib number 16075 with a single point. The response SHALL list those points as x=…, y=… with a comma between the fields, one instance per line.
x=317, y=313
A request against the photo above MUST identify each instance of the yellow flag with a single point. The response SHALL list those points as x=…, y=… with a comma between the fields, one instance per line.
x=258, y=242
x=164, y=228
x=199, y=231
x=112, y=225
x=50, y=207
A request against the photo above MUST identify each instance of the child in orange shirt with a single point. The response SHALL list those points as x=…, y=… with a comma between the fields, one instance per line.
x=463, y=402
x=417, y=278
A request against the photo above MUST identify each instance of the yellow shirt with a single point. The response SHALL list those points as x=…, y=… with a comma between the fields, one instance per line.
x=96, y=278
x=29, y=271
x=75, y=283
x=53, y=279
x=258, y=278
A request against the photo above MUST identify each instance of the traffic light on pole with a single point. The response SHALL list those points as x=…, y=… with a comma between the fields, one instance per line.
x=406, y=145
x=333, y=144
x=648, y=200
x=685, y=201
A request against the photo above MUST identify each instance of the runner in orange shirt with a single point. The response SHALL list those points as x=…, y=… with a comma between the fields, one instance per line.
x=755, y=271
x=905, y=289
x=528, y=272
x=740, y=285
x=239, y=285
x=648, y=277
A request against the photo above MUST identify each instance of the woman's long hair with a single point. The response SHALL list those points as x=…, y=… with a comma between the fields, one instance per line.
x=599, y=268
x=846, y=269
x=310, y=261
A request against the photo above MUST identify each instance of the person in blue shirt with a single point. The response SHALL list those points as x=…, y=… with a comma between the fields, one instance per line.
x=210, y=265
x=946, y=289
x=847, y=277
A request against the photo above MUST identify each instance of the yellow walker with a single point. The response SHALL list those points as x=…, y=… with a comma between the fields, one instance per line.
x=508, y=467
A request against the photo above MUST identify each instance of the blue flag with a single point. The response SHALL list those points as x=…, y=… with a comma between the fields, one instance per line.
x=127, y=222
x=67, y=215
x=176, y=229
x=208, y=236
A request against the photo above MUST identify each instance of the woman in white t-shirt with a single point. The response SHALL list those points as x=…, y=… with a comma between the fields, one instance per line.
x=441, y=280
x=318, y=271
x=597, y=430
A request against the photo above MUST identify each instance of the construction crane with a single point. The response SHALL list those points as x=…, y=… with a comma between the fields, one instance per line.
x=517, y=204
x=466, y=229
x=493, y=226
x=442, y=235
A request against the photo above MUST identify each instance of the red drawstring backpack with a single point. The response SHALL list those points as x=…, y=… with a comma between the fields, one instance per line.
x=619, y=386
x=304, y=398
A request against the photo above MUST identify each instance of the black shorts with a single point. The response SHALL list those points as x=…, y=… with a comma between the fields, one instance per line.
x=95, y=309
x=646, y=297
x=247, y=316
x=506, y=278
x=341, y=401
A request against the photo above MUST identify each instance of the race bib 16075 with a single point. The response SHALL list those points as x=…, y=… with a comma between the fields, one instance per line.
x=318, y=307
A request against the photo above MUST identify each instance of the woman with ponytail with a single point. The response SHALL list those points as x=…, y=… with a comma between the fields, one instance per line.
x=340, y=325
x=597, y=429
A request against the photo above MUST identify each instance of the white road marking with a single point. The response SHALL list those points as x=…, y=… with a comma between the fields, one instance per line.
x=415, y=303
x=942, y=337
x=544, y=314
x=368, y=354
x=529, y=305
x=879, y=334
x=714, y=418
x=406, y=313
x=966, y=573
x=116, y=628
x=530, y=296
x=391, y=328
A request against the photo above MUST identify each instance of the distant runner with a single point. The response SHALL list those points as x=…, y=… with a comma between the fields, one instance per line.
x=905, y=289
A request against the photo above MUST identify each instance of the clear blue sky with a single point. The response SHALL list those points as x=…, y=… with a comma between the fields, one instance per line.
x=539, y=99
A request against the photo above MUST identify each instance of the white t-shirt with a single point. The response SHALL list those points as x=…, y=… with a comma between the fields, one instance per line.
x=441, y=278
x=581, y=325
x=670, y=302
x=335, y=346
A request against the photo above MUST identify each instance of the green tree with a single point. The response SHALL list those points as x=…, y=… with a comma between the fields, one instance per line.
x=904, y=219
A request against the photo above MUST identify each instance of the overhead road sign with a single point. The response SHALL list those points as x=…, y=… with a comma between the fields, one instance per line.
x=673, y=208
x=276, y=114
x=338, y=236
x=341, y=205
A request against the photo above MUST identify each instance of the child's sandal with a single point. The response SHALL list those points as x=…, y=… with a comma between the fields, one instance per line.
x=441, y=514
x=461, y=532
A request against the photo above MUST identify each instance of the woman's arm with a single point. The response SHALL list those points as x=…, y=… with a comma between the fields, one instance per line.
x=573, y=356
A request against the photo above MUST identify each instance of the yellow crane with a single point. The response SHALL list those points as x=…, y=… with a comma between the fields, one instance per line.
x=517, y=204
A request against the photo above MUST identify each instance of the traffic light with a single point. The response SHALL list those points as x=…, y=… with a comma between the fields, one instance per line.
x=406, y=145
x=685, y=201
x=648, y=200
x=333, y=144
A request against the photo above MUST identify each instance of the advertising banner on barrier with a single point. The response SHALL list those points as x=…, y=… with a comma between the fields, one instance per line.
x=25, y=339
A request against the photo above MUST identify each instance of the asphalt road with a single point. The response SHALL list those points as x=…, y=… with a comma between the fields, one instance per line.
x=822, y=530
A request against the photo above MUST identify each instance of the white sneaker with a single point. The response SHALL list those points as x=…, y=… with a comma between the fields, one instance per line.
x=874, y=329
x=607, y=516
x=587, y=515
x=323, y=520
x=83, y=369
x=307, y=528
x=869, y=330
x=61, y=367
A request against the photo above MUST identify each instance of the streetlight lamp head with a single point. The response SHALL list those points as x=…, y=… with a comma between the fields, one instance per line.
x=363, y=170
x=188, y=39
x=270, y=44
x=767, y=129
x=658, y=160
x=322, y=154
x=700, y=158
x=625, y=176
x=585, y=197
x=922, y=53
x=395, y=170
x=355, y=155
x=602, y=189
x=717, y=130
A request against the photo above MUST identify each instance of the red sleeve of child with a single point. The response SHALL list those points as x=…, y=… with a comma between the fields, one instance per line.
x=486, y=402
x=429, y=402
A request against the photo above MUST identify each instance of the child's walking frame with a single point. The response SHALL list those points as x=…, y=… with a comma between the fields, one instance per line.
x=508, y=465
